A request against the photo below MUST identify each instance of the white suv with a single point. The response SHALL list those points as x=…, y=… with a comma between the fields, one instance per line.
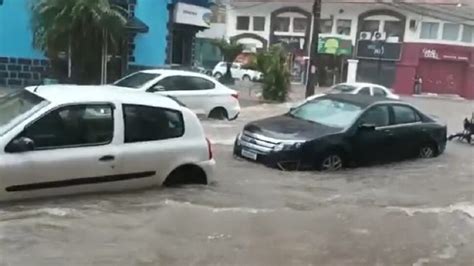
x=57, y=140
x=238, y=71
x=200, y=93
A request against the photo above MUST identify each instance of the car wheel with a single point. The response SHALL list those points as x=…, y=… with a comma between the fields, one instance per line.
x=218, y=113
x=186, y=175
x=331, y=162
x=427, y=151
x=246, y=78
x=218, y=75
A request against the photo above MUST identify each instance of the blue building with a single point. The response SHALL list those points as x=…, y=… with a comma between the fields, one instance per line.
x=21, y=64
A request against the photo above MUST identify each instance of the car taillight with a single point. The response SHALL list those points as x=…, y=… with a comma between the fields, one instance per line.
x=209, y=148
x=235, y=95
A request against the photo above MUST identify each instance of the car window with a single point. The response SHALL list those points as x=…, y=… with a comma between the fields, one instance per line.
x=136, y=80
x=197, y=83
x=377, y=115
x=71, y=126
x=235, y=66
x=364, y=91
x=344, y=88
x=144, y=123
x=379, y=92
x=174, y=83
x=405, y=115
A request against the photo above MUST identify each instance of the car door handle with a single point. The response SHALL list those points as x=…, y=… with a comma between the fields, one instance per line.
x=388, y=132
x=107, y=158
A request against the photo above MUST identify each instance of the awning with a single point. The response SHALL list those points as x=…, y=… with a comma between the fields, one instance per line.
x=136, y=25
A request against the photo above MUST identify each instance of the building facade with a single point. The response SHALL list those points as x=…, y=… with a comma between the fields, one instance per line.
x=21, y=64
x=387, y=43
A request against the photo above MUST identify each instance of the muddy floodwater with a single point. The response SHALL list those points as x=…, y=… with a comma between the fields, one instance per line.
x=408, y=213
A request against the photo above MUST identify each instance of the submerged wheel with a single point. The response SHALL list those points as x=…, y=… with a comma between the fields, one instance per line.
x=427, y=150
x=218, y=113
x=186, y=175
x=331, y=162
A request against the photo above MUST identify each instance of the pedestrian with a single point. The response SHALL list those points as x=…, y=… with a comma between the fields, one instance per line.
x=418, y=84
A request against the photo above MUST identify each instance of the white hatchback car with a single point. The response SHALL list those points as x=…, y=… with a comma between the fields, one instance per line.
x=360, y=88
x=65, y=139
x=200, y=93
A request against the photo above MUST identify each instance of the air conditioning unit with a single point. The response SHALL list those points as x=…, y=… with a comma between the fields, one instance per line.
x=365, y=35
x=379, y=36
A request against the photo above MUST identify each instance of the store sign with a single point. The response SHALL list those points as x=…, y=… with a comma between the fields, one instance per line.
x=381, y=50
x=430, y=53
x=192, y=15
x=335, y=46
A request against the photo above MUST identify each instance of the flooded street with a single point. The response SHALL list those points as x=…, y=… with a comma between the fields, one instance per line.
x=409, y=213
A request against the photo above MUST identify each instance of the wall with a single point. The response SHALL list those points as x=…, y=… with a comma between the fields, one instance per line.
x=150, y=47
x=20, y=63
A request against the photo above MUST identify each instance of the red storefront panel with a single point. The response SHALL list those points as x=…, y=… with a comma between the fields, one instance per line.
x=443, y=77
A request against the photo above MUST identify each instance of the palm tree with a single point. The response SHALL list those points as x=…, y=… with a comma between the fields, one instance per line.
x=229, y=50
x=80, y=29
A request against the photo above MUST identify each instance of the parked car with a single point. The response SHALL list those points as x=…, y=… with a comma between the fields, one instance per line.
x=359, y=88
x=238, y=71
x=201, y=93
x=337, y=130
x=59, y=140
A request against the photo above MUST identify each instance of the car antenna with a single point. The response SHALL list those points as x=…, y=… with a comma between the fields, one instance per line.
x=36, y=89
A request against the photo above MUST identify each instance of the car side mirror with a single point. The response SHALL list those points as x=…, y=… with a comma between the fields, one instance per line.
x=21, y=144
x=156, y=89
x=367, y=127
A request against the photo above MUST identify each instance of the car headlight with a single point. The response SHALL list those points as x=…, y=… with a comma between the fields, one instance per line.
x=238, y=138
x=285, y=146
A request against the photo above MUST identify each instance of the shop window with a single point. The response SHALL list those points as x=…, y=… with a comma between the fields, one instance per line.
x=468, y=34
x=429, y=30
x=451, y=31
x=258, y=23
x=326, y=25
x=299, y=24
x=344, y=26
x=370, y=25
x=282, y=24
x=243, y=23
x=393, y=29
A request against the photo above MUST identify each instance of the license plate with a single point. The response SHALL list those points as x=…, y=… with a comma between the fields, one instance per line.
x=249, y=155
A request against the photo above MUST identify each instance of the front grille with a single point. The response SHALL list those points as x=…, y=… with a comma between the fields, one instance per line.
x=257, y=143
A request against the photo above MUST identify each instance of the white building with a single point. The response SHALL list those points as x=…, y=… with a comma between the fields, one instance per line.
x=444, y=29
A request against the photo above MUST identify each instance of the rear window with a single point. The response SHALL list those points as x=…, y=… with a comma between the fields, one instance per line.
x=343, y=88
x=145, y=123
x=136, y=80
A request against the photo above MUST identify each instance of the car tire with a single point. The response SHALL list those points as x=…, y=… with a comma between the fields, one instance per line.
x=186, y=175
x=246, y=78
x=330, y=162
x=218, y=75
x=218, y=113
x=427, y=150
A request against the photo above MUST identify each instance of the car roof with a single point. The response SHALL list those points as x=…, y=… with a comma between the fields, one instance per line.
x=174, y=72
x=360, y=84
x=70, y=94
x=362, y=101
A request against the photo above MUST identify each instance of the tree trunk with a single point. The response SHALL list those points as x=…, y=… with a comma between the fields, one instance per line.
x=313, y=56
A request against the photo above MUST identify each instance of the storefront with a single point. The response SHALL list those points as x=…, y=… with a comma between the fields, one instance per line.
x=444, y=69
x=187, y=21
x=377, y=61
x=333, y=54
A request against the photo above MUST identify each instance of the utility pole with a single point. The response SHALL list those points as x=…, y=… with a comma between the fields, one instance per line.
x=313, y=50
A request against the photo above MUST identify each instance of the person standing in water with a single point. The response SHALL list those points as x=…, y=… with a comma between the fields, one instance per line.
x=418, y=84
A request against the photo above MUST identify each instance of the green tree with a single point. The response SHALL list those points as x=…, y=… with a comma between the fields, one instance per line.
x=276, y=74
x=78, y=30
x=229, y=50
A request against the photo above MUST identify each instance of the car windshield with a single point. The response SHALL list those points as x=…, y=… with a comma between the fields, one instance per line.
x=16, y=107
x=328, y=112
x=136, y=80
x=344, y=88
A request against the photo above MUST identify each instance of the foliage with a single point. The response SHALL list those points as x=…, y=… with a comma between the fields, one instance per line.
x=229, y=50
x=84, y=25
x=276, y=74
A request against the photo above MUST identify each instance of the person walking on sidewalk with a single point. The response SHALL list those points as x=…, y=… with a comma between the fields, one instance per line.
x=418, y=84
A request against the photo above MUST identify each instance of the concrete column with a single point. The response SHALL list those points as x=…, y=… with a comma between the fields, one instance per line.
x=352, y=70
